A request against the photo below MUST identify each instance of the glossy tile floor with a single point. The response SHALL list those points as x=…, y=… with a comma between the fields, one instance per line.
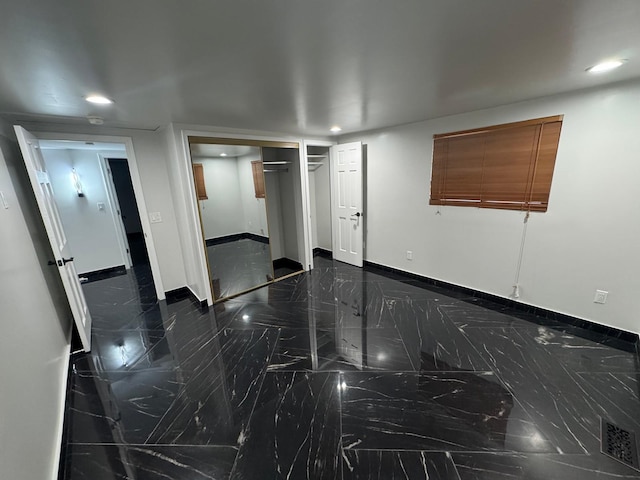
x=346, y=374
x=238, y=266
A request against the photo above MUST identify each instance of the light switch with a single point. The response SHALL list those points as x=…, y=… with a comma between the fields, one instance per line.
x=155, y=217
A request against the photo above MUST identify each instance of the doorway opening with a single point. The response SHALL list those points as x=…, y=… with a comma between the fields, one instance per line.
x=127, y=210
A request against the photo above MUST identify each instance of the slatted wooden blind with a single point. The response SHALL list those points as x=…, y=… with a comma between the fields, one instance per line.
x=198, y=178
x=258, y=178
x=506, y=166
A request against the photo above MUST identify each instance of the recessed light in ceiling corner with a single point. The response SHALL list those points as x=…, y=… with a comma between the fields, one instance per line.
x=98, y=99
x=606, y=66
x=223, y=154
x=335, y=129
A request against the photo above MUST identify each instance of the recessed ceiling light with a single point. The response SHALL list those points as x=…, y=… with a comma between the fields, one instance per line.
x=99, y=99
x=335, y=129
x=223, y=154
x=605, y=66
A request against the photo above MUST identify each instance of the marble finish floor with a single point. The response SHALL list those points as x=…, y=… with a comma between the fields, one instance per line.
x=341, y=373
x=238, y=266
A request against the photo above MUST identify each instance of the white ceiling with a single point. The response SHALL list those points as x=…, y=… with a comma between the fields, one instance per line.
x=301, y=66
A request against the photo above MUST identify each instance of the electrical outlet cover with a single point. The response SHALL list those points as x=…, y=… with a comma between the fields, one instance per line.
x=600, y=297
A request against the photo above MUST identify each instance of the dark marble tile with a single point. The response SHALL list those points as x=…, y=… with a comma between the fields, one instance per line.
x=205, y=400
x=477, y=312
x=397, y=465
x=580, y=354
x=121, y=302
x=294, y=431
x=122, y=462
x=341, y=349
x=188, y=336
x=349, y=311
x=477, y=466
x=434, y=343
x=561, y=403
x=238, y=266
x=447, y=411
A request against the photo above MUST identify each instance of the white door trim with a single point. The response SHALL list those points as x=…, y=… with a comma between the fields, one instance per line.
x=192, y=202
x=137, y=188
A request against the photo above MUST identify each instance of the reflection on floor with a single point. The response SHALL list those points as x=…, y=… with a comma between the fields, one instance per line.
x=346, y=374
x=238, y=266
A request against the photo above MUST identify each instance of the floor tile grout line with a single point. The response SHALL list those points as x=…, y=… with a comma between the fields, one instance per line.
x=167, y=445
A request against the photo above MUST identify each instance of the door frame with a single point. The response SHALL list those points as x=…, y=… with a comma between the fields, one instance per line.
x=307, y=196
x=112, y=195
x=137, y=188
x=193, y=212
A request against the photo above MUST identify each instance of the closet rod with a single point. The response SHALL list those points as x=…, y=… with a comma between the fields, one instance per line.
x=280, y=162
x=276, y=170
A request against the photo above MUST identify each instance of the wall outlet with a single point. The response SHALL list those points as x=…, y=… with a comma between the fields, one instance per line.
x=101, y=206
x=409, y=255
x=155, y=217
x=601, y=296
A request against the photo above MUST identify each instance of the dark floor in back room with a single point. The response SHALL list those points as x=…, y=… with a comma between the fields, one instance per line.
x=341, y=373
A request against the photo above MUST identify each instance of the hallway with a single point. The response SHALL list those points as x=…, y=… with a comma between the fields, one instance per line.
x=341, y=373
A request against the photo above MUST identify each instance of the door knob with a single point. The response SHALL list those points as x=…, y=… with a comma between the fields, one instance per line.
x=357, y=214
x=67, y=260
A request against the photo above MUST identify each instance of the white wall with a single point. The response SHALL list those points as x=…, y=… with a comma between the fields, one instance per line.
x=231, y=206
x=35, y=329
x=222, y=213
x=587, y=240
x=91, y=232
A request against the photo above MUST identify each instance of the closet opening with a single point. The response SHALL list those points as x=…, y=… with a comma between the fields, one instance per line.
x=249, y=208
x=319, y=172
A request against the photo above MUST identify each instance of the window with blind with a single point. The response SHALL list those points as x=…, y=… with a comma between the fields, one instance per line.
x=506, y=166
x=198, y=178
x=258, y=178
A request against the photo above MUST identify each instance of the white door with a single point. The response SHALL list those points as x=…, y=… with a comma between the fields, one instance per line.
x=57, y=238
x=346, y=198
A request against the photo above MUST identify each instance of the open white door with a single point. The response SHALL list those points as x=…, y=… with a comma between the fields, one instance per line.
x=48, y=209
x=346, y=199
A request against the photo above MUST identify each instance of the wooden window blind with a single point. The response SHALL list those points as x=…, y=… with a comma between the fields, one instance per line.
x=506, y=166
x=258, y=178
x=198, y=178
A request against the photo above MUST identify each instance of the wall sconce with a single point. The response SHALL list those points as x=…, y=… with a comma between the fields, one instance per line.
x=76, y=182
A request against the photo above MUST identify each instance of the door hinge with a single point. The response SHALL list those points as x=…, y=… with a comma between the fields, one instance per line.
x=127, y=250
x=118, y=212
